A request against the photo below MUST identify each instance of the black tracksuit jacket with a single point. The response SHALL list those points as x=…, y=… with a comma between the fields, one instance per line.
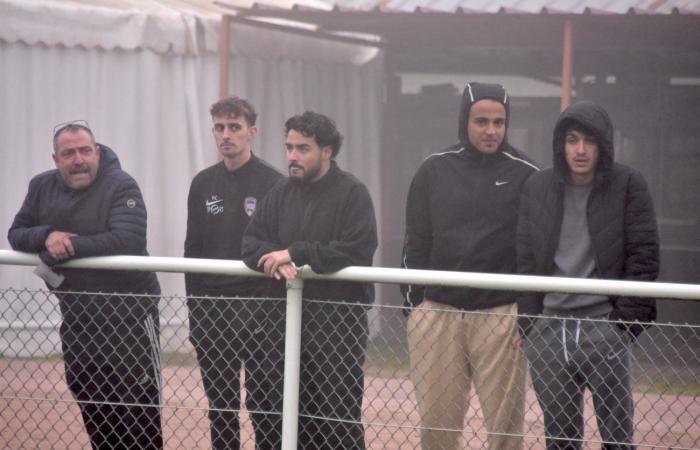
x=219, y=207
x=461, y=215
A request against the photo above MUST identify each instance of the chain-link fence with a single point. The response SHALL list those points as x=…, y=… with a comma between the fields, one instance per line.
x=439, y=378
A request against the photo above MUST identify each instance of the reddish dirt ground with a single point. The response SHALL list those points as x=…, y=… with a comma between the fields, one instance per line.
x=38, y=412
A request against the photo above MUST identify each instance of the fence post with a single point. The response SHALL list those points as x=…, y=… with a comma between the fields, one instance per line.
x=292, y=351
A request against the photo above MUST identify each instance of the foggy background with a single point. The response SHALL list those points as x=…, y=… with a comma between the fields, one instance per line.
x=145, y=73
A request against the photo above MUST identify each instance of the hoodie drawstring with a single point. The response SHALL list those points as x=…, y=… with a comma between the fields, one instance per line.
x=563, y=341
x=577, y=335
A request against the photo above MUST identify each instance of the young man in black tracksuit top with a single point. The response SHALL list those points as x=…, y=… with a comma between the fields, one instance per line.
x=587, y=217
x=321, y=216
x=461, y=215
x=228, y=329
x=88, y=206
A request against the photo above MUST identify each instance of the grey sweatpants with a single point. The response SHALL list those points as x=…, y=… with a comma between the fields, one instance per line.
x=565, y=357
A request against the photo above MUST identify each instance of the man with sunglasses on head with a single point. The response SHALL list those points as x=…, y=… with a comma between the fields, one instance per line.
x=88, y=206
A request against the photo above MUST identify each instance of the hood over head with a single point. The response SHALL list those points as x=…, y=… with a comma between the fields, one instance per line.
x=592, y=119
x=473, y=92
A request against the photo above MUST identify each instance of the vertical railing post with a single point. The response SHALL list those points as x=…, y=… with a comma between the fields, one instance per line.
x=292, y=352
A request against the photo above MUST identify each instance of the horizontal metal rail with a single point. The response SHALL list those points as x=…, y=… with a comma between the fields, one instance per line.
x=381, y=275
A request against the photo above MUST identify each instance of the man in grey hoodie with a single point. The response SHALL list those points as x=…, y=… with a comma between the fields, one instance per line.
x=587, y=217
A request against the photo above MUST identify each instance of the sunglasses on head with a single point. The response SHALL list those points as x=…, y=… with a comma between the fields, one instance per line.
x=80, y=123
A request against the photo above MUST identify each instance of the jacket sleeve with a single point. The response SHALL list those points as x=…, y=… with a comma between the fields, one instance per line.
x=529, y=303
x=261, y=236
x=418, y=241
x=126, y=233
x=356, y=240
x=641, y=248
x=25, y=234
x=194, y=237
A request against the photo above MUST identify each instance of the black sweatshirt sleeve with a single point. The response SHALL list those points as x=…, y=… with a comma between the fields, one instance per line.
x=261, y=235
x=194, y=238
x=529, y=303
x=418, y=241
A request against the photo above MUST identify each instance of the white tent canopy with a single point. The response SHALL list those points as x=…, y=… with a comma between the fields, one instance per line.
x=144, y=73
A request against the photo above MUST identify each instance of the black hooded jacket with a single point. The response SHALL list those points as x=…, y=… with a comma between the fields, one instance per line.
x=461, y=215
x=109, y=218
x=621, y=220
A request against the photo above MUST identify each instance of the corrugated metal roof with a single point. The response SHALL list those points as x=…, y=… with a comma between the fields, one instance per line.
x=527, y=6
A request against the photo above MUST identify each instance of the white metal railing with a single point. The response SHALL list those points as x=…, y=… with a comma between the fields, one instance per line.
x=381, y=275
x=360, y=274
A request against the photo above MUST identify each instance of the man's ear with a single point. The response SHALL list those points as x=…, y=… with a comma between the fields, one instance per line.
x=327, y=152
x=252, y=131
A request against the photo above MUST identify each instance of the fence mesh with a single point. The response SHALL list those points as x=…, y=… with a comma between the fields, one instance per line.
x=369, y=376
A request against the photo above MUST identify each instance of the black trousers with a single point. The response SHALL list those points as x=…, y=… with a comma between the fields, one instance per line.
x=112, y=364
x=334, y=341
x=230, y=335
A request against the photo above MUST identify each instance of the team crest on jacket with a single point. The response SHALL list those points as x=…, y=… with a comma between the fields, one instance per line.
x=249, y=205
x=215, y=205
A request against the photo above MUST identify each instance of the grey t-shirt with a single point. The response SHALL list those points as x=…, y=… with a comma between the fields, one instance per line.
x=574, y=258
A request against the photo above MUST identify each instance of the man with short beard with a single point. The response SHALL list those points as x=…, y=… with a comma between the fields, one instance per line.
x=461, y=215
x=88, y=206
x=321, y=216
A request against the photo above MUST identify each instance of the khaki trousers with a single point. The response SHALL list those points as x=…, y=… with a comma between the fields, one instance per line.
x=450, y=349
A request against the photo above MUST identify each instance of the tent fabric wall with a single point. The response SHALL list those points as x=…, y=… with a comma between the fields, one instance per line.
x=153, y=109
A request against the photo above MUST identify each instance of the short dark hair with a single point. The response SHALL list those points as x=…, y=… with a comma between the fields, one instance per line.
x=318, y=126
x=71, y=128
x=579, y=127
x=234, y=107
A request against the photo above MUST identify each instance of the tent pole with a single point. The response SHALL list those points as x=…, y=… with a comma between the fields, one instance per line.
x=224, y=36
x=567, y=65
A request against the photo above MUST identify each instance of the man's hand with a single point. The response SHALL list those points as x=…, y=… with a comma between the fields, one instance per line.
x=278, y=265
x=59, y=245
x=287, y=271
x=517, y=343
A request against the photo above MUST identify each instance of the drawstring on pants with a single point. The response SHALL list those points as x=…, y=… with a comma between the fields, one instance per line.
x=576, y=337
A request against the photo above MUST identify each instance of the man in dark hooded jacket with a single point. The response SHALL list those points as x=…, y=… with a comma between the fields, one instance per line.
x=88, y=206
x=587, y=217
x=461, y=215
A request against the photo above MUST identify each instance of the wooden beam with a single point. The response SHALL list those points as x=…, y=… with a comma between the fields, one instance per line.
x=224, y=43
x=567, y=64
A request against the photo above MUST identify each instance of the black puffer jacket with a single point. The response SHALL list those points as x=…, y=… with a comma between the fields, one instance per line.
x=108, y=217
x=621, y=220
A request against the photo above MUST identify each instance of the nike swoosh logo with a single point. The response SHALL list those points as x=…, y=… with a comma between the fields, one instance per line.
x=501, y=183
x=214, y=202
x=613, y=355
